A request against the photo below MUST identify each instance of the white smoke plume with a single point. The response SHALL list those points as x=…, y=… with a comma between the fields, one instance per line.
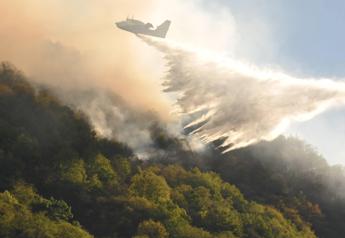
x=112, y=117
x=221, y=99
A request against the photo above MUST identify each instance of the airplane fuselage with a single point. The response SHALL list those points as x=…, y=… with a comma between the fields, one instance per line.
x=136, y=26
x=139, y=27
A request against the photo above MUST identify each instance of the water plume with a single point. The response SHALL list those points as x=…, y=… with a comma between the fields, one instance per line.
x=237, y=104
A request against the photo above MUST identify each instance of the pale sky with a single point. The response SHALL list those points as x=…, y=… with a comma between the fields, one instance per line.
x=306, y=39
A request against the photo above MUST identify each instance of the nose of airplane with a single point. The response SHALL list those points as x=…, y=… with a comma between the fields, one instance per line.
x=118, y=24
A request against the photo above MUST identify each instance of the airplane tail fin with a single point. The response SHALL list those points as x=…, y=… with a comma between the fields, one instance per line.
x=162, y=30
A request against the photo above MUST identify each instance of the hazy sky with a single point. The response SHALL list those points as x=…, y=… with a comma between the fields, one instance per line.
x=306, y=39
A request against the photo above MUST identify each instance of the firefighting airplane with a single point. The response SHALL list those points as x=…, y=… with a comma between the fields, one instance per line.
x=139, y=27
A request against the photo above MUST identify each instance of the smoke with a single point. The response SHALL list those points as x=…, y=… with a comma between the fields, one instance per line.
x=113, y=118
x=73, y=46
x=221, y=99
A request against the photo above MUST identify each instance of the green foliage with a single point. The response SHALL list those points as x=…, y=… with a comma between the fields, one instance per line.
x=57, y=209
x=17, y=220
x=292, y=177
x=54, y=209
x=101, y=172
x=151, y=186
x=263, y=221
x=123, y=167
x=49, y=146
x=188, y=231
x=25, y=194
x=225, y=234
x=73, y=171
x=152, y=229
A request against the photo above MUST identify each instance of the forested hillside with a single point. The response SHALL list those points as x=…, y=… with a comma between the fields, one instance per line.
x=59, y=179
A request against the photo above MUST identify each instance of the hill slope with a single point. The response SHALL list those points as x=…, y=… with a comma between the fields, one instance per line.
x=59, y=179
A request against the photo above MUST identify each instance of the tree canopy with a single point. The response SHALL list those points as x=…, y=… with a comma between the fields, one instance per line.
x=58, y=178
